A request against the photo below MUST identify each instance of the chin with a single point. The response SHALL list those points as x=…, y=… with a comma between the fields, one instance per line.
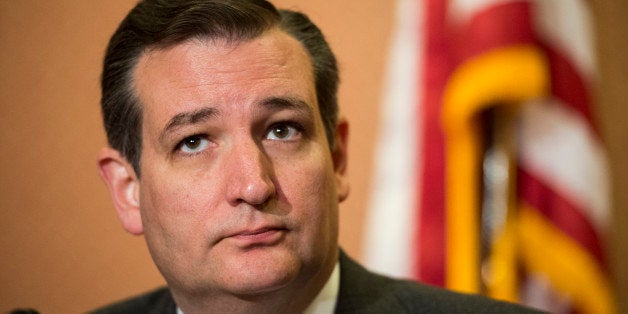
x=262, y=271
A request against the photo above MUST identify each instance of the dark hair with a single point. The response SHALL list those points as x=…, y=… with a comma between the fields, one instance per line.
x=159, y=24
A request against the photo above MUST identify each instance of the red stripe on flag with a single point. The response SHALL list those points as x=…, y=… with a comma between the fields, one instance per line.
x=565, y=215
x=431, y=258
x=568, y=85
x=497, y=26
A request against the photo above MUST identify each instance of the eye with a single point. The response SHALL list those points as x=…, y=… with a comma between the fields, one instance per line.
x=282, y=132
x=193, y=144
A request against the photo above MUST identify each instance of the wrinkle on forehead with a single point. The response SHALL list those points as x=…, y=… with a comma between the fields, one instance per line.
x=273, y=51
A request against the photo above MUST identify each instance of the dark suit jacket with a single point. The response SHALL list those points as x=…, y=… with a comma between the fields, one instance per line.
x=360, y=292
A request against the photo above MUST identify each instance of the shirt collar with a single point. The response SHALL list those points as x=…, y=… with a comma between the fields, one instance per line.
x=325, y=301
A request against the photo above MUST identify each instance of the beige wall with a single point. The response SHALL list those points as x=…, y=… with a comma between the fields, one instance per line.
x=612, y=100
x=61, y=247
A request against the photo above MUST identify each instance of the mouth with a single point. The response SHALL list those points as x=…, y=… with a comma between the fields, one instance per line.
x=266, y=236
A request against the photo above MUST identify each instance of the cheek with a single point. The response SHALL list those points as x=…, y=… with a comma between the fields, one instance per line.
x=174, y=206
x=309, y=188
x=176, y=225
x=315, y=211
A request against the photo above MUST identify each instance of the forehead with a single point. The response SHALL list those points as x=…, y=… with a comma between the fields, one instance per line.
x=205, y=70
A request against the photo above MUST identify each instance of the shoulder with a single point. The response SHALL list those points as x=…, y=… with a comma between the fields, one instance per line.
x=158, y=301
x=362, y=291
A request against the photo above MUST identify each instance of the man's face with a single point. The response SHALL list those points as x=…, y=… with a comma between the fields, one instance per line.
x=239, y=189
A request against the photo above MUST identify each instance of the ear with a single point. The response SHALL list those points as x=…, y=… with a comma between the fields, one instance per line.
x=339, y=156
x=124, y=187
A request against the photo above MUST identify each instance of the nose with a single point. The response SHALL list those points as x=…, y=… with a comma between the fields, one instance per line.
x=251, y=175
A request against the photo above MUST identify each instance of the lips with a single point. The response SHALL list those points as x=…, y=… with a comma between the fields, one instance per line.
x=264, y=236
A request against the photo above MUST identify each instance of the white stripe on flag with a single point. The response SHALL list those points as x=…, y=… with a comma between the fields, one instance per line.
x=567, y=25
x=463, y=10
x=558, y=147
x=391, y=217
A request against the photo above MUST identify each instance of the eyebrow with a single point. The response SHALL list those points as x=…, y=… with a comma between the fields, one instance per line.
x=287, y=103
x=191, y=117
x=206, y=113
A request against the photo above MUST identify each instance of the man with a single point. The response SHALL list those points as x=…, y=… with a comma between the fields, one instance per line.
x=226, y=153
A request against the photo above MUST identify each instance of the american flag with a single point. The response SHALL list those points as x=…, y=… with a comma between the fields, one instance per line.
x=490, y=174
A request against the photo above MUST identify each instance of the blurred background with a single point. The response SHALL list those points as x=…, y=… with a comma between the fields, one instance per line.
x=61, y=247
